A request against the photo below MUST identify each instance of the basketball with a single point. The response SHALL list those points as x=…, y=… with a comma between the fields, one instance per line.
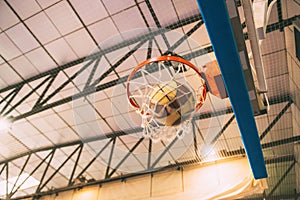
x=163, y=93
x=171, y=103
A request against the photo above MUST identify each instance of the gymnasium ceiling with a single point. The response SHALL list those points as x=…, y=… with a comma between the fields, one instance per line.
x=63, y=65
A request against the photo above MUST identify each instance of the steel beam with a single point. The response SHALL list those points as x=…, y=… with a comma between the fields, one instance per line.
x=89, y=88
x=3, y=167
x=125, y=157
x=152, y=12
x=123, y=79
x=26, y=96
x=56, y=91
x=282, y=178
x=222, y=130
x=265, y=145
x=57, y=170
x=38, y=102
x=6, y=181
x=119, y=178
x=279, y=11
x=281, y=142
x=165, y=151
x=294, y=196
x=110, y=158
x=23, y=167
x=278, y=25
x=195, y=139
x=280, y=159
x=149, y=50
x=75, y=164
x=88, y=82
x=96, y=55
x=11, y=97
x=185, y=36
x=275, y=100
x=31, y=173
x=276, y=119
x=149, y=155
x=118, y=63
x=129, y=42
x=95, y=157
x=45, y=170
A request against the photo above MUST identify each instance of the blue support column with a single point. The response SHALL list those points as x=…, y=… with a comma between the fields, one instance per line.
x=216, y=19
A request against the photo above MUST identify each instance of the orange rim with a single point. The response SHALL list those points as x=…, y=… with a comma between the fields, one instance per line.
x=166, y=58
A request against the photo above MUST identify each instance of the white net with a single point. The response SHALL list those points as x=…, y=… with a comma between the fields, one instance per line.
x=166, y=94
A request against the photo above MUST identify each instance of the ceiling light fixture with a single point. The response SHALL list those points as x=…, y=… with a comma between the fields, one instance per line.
x=30, y=182
x=209, y=153
x=4, y=123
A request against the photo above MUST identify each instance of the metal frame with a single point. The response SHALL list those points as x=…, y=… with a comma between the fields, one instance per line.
x=152, y=168
x=47, y=78
x=277, y=118
x=42, y=104
x=40, y=193
x=113, y=135
x=282, y=178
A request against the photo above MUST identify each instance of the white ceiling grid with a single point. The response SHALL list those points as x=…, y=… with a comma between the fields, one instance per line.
x=53, y=33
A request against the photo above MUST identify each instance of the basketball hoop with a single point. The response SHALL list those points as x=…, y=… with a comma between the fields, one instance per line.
x=166, y=91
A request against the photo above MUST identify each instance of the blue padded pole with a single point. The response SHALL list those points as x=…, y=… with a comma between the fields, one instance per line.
x=216, y=19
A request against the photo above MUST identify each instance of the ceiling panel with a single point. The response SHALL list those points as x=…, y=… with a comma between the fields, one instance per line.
x=129, y=20
x=164, y=12
x=118, y=104
x=104, y=107
x=291, y=8
x=81, y=43
x=24, y=129
x=36, y=141
x=134, y=119
x=9, y=75
x=63, y=10
x=24, y=67
x=102, y=34
x=42, y=28
x=117, y=123
x=1, y=60
x=40, y=59
x=58, y=181
x=278, y=85
x=103, y=126
x=12, y=148
x=22, y=38
x=69, y=134
x=117, y=6
x=61, y=51
x=56, y=25
x=90, y=11
x=8, y=49
x=86, y=131
x=7, y=17
x=26, y=8
x=273, y=15
x=185, y=10
x=276, y=60
x=47, y=3
x=270, y=45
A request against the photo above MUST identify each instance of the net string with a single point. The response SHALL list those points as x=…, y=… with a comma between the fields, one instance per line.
x=148, y=82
